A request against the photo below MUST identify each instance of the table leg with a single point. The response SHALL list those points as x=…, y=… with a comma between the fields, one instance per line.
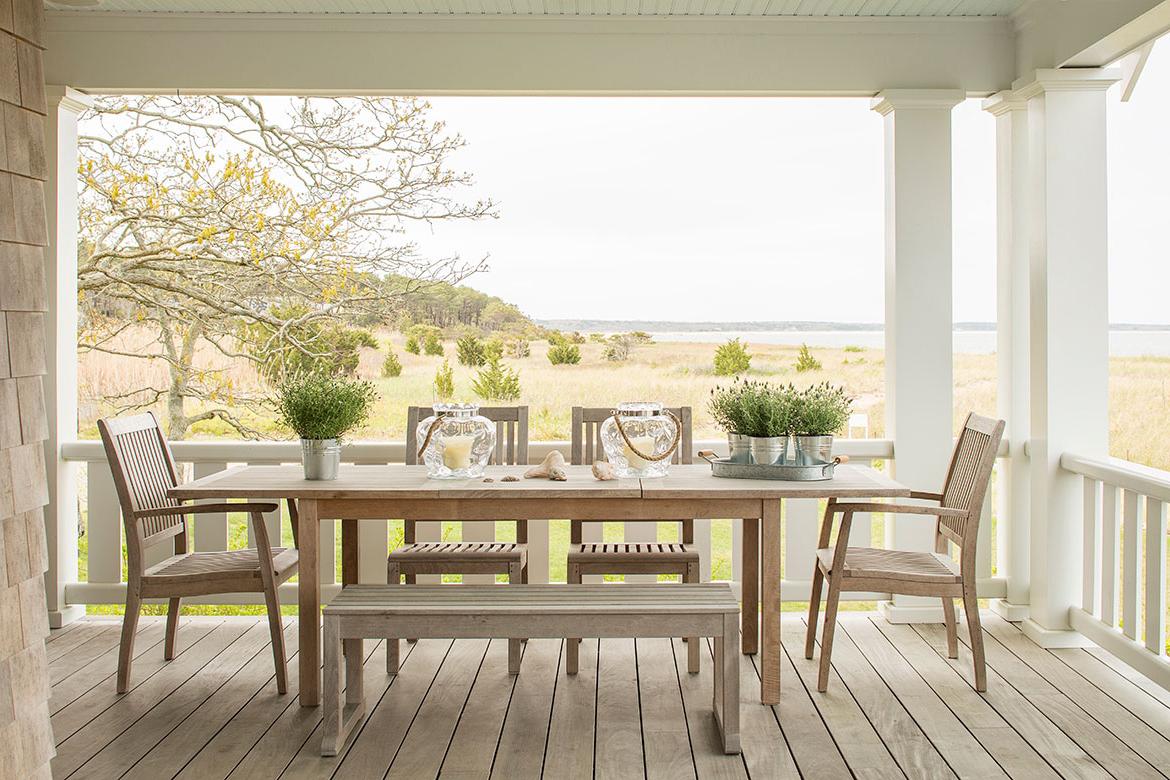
x=349, y=552
x=770, y=583
x=309, y=608
x=750, y=585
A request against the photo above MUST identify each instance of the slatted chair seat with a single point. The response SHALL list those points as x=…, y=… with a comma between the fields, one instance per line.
x=460, y=552
x=903, y=565
x=222, y=565
x=632, y=552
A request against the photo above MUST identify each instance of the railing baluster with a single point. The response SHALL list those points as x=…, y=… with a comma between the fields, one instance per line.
x=1091, y=580
x=1110, y=595
x=983, y=544
x=538, y=556
x=104, y=525
x=860, y=534
x=1156, y=576
x=1131, y=554
x=271, y=519
x=801, y=525
x=211, y=531
x=373, y=541
x=703, y=545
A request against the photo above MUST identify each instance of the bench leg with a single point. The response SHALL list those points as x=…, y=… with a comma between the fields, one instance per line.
x=341, y=712
x=726, y=704
x=573, y=644
x=515, y=577
x=393, y=577
x=692, y=575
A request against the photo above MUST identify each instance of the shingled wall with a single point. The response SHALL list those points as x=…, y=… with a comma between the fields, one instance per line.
x=26, y=740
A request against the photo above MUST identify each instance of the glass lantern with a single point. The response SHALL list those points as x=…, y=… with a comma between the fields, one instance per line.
x=455, y=442
x=640, y=438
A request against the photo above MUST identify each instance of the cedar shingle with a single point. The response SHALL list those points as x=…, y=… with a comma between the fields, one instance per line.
x=22, y=268
x=26, y=343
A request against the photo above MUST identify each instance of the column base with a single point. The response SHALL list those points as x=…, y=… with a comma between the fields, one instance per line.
x=911, y=613
x=1053, y=638
x=1012, y=613
x=59, y=618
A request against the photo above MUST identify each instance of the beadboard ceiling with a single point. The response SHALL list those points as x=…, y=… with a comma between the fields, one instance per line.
x=813, y=8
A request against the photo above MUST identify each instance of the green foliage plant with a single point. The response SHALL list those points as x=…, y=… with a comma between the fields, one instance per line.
x=641, y=337
x=469, y=350
x=732, y=358
x=444, y=384
x=853, y=348
x=493, y=349
x=412, y=345
x=618, y=347
x=391, y=366
x=319, y=406
x=805, y=360
x=519, y=348
x=597, y=338
x=433, y=345
x=564, y=353
x=497, y=382
x=306, y=346
x=821, y=410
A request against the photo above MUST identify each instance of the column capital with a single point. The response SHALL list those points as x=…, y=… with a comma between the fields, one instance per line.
x=889, y=100
x=68, y=98
x=1004, y=102
x=1065, y=80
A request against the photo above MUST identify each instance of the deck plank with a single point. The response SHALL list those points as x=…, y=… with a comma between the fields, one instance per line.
x=711, y=763
x=618, y=748
x=568, y=753
x=1141, y=703
x=665, y=739
x=1128, y=672
x=521, y=748
x=69, y=689
x=962, y=752
x=1001, y=740
x=473, y=748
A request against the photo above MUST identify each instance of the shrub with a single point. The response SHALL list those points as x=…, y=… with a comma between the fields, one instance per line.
x=412, y=345
x=444, y=384
x=391, y=366
x=497, y=382
x=564, y=354
x=853, y=348
x=493, y=349
x=433, y=345
x=576, y=338
x=312, y=347
x=597, y=338
x=556, y=338
x=618, y=348
x=317, y=406
x=641, y=337
x=469, y=350
x=732, y=358
x=821, y=410
x=519, y=348
x=805, y=360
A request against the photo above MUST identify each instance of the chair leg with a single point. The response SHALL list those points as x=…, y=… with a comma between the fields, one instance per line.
x=410, y=580
x=276, y=630
x=827, y=635
x=129, y=627
x=172, y=628
x=971, y=609
x=814, y=610
x=948, y=605
x=515, y=577
x=573, y=644
x=692, y=575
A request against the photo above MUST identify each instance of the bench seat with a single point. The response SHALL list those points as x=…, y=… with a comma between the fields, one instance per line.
x=553, y=611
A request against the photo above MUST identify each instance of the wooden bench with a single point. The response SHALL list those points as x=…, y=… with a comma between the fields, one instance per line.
x=553, y=611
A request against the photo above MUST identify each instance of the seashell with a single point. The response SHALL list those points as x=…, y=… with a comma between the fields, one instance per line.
x=544, y=471
x=510, y=478
x=488, y=479
x=603, y=470
x=557, y=474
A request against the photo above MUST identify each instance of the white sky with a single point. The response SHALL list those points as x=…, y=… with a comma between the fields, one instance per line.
x=757, y=208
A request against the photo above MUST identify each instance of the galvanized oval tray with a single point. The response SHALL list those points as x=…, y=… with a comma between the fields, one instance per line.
x=789, y=472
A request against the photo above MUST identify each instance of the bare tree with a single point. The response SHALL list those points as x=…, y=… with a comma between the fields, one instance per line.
x=253, y=225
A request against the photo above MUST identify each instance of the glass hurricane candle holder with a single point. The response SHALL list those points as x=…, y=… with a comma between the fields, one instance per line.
x=456, y=442
x=640, y=438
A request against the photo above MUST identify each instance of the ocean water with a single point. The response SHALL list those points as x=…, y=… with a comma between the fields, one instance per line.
x=1121, y=342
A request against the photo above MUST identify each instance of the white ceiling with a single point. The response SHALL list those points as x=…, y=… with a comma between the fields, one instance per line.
x=559, y=7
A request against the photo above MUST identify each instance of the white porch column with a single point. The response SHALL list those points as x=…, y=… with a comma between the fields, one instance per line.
x=918, y=309
x=1012, y=364
x=1069, y=326
x=61, y=516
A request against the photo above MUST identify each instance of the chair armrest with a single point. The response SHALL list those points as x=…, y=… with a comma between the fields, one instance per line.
x=197, y=509
x=925, y=496
x=898, y=509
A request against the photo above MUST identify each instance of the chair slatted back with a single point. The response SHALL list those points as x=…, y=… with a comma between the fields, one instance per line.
x=511, y=447
x=144, y=470
x=969, y=477
x=511, y=433
x=586, y=434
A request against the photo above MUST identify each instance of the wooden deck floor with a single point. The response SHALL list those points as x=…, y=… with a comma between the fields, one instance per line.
x=896, y=707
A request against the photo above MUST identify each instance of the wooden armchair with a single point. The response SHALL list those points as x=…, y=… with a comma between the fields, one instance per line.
x=956, y=519
x=144, y=470
x=680, y=558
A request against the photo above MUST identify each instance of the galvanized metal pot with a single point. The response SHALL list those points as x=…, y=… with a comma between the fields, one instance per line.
x=321, y=458
x=768, y=450
x=813, y=450
x=739, y=448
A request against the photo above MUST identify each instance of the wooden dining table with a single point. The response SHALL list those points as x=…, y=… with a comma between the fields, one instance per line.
x=405, y=492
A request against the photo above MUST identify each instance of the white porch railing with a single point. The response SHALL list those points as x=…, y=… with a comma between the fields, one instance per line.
x=1124, y=599
x=104, y=581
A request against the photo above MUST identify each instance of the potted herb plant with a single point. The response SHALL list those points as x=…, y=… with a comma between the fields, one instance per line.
x=759, y=413
x=321, y=410
x=726, y=408
x=818, y=412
